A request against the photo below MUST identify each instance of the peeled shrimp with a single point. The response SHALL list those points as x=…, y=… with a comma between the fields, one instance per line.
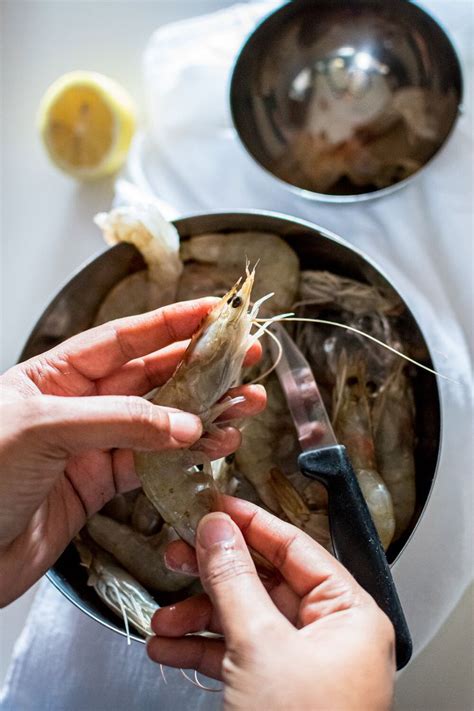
x=212, y=261
x=353, y=428
x=394, y=430
x=158, y=242
x=142, y=556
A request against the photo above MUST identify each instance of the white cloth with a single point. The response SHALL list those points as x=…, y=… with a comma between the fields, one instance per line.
x=420, y=236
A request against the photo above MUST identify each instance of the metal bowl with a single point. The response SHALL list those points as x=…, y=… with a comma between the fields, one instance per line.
x=346, y=101
x=76, y=304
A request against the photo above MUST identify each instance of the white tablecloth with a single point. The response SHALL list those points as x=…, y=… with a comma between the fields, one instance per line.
x=420, y=236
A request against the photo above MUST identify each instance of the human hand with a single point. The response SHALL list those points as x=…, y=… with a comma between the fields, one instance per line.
x=64, y=413
x=312, y=638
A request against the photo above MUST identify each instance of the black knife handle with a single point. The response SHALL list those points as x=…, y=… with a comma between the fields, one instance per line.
x=354, y=537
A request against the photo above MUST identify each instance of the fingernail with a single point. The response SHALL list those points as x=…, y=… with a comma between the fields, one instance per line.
x=185, y=427
x=186, y=565
x=215, y=528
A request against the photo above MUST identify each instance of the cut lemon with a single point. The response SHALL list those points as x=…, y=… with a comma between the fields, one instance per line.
x=86, y=121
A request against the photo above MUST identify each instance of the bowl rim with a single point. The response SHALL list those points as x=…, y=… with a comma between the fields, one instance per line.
x=332, y=197
x=52, y=574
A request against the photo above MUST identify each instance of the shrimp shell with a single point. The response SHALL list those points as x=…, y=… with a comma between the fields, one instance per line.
x=117, y=588
x=157, y=240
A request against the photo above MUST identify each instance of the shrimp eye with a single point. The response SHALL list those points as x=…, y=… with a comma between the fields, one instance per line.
x=236, y=302
x=371, y=387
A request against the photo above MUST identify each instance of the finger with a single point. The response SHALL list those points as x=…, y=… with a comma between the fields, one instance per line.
x=199, y=653
x=255, y=402
x=195, y=614
x=223, y=442
x=181, y=558
x=71, y=425
x=229, y=577
x=102, y=350
x=301, y=560
x=139, y=376
x=185, y=617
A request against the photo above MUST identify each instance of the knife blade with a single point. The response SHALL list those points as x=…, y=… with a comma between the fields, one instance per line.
x=304, y=400
x=354, y=537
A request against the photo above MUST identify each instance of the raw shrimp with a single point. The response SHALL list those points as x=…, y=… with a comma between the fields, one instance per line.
x=212, y=261
x=353, y=428
x=394, y=432
x=266, y=439
x=117, y=588
x=211, y=365
x=326, y=288
x=145, y=518
x=120, y=508
x=268, y=443
x=142, y=556
x=158, y=242
x=314, y=524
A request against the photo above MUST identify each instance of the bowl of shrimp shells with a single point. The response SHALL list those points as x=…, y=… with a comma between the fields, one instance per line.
x=384, y=408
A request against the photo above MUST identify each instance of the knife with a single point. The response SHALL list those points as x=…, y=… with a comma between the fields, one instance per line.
x=354, y=537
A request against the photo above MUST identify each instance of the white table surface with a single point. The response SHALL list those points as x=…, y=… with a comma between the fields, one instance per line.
x=47, y=232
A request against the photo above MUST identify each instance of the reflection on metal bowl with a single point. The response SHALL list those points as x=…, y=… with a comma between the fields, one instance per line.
x=346, y=101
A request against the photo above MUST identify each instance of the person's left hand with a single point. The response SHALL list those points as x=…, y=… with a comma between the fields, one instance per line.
x=70, y=419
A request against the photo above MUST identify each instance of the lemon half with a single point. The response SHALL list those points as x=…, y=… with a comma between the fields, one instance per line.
x=86, y=121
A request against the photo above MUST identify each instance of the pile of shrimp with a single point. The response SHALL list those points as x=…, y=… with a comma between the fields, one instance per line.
x=367, y=393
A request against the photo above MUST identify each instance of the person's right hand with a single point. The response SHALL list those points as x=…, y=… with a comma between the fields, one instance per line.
x=314, y=639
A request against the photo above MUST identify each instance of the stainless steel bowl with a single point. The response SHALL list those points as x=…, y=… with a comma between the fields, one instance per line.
x=76, y=304
x=345, y=101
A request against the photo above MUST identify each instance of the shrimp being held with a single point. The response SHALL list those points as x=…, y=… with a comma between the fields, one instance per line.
x=211, y=365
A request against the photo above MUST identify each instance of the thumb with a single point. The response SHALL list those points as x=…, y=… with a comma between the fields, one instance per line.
x=229, y=577
x=72, y=425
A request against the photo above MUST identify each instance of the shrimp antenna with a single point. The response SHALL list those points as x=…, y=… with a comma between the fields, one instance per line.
x=365, y=335
x=124, y=613
x=199, y=684
x=275, y=363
